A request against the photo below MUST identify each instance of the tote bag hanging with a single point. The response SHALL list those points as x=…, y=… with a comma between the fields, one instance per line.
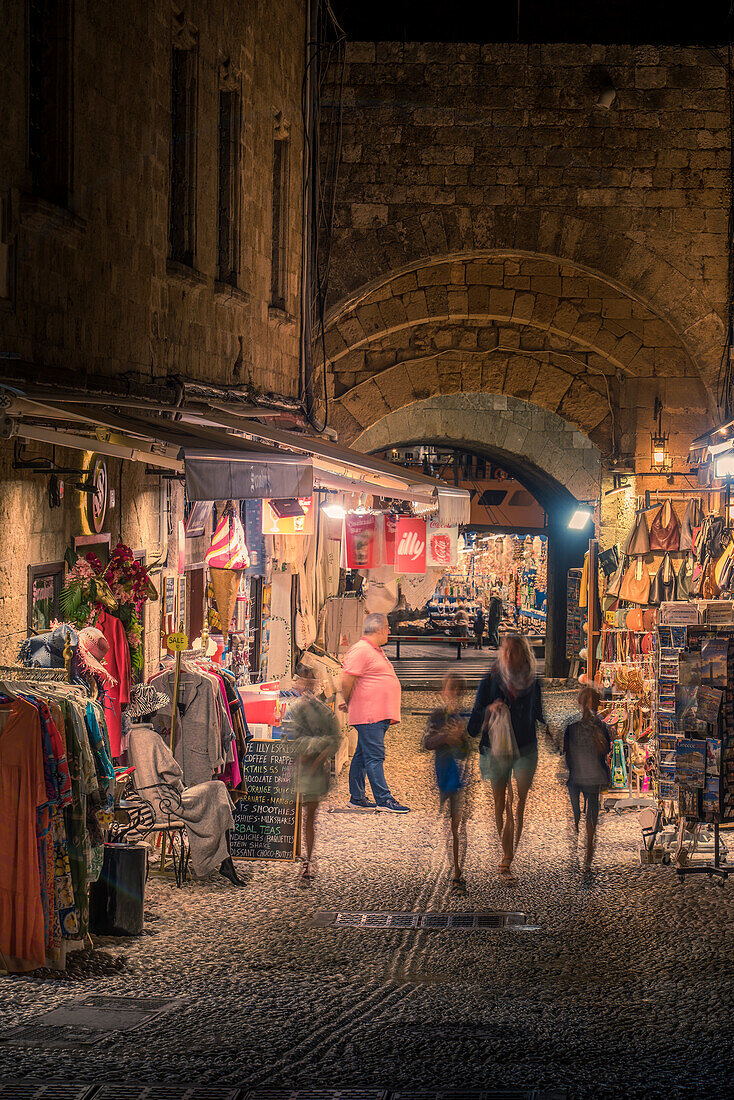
x=615, y=584
x=638, y=540
x=692, y=519
x=664, y=531
x=636, y=583
x=663, y=588
x=684, y=579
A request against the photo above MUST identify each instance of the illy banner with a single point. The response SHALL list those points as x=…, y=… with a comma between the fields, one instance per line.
x=410, y=545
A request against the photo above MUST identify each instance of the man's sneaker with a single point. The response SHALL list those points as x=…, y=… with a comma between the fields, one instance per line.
x=393, y=806
x=361, y=804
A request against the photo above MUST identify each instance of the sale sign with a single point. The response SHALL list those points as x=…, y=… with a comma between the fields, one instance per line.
x=410, y=545
x=443, y=544
x=361, y=540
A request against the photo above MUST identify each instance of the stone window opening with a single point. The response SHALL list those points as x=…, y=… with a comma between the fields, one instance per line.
x=50, y=99
x=279, y=238
x=229, y=188
x=184, y=79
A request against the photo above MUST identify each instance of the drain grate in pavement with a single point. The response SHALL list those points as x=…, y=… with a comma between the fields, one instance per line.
x=87, y=1020
x=459, y=920
x=486, y=1094
x=316, y=1094
x=44, y=1090
x=111, y=1091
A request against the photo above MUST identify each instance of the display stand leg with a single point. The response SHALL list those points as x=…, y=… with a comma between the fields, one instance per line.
x=458, y=650
x=397, y=647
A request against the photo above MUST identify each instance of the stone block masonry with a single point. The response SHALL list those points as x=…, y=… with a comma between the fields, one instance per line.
x=94, y=291
x=494, y=222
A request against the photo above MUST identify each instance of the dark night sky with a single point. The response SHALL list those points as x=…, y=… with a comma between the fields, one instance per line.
x=622, y=21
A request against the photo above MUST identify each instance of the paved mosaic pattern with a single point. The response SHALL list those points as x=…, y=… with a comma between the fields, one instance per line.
x=625, y=989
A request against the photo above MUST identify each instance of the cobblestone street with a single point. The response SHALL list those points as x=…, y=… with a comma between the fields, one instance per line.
x=624, y=989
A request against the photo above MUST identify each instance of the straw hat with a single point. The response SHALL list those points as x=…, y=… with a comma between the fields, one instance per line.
x=93, y=648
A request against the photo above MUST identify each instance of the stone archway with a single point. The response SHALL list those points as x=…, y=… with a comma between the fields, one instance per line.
x=535, y=328
x=554, y=460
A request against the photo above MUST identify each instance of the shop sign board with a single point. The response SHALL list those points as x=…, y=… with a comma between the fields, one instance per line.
x=288, y=525
x=410, y=545
x=361, y=541
x=177, y=642
x=266, y=820
x=443, y=544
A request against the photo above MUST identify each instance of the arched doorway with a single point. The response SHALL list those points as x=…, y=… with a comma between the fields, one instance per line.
x=558, y=465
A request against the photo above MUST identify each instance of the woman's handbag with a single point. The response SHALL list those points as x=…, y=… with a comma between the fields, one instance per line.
x=609, y=561
x=664, y=530
x=683, y=586
x=692, y=519
x=663, y=587
x=638, y=540
x=636, y=583
x=615, y=584
x=501, y=734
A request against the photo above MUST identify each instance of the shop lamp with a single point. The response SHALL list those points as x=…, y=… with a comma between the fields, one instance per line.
x=659, y=451
x=724, y=465
x=334, y=511
x=579, y=519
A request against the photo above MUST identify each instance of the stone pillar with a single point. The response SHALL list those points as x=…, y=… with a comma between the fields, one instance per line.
x=565, y=551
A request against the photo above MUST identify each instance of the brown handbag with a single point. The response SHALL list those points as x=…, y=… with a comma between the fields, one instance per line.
x=615, y=582
x=638, y=540
x=665, y=530
x=636, y=583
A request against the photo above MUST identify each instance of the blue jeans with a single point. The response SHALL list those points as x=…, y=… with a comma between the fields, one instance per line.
x=368, y=760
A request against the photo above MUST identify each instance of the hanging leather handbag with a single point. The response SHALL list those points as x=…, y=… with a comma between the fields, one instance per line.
x=692, y=519
x=609, y=561
x=713, y=539
x=612, y=589
x=664, y=530
x=634, y=619
x=663, y=587
x=636, y=583
x=638, y=540
x=709, y=588
x=684, y=579
x=722, y=563
x=649, y=619
x=726, y=576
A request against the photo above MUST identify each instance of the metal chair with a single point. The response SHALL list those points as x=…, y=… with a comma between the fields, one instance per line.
x=160, y=814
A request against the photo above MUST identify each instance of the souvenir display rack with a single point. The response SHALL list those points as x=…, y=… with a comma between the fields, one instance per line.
x=627, y=671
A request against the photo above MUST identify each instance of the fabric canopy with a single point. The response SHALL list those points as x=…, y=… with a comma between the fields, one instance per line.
x=226, y=476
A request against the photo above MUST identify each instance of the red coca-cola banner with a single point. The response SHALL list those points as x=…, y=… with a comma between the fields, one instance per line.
x=361, y=541
x=410, y=545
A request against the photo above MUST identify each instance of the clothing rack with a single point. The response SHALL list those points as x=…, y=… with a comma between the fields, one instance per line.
x=23, y=672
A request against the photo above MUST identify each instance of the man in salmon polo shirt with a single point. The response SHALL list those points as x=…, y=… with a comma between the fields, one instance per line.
x=372, y=690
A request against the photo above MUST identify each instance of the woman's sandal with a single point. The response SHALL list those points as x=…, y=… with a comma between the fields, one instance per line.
x=506, y=875
x=307, y=874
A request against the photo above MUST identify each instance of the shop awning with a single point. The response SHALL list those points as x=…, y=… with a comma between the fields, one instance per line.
x=225, y=456
x=226, y=476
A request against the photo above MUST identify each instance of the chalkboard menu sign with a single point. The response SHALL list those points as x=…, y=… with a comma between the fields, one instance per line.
x=266, y=820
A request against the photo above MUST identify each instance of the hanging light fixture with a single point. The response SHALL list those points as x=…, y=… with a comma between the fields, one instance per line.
x=659, y=449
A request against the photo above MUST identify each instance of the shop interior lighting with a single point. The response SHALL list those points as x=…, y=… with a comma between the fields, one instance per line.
x=334, y=510
x=724, y=465
x=579, y=519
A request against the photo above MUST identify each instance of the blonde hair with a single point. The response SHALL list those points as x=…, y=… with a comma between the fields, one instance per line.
x=518, y=642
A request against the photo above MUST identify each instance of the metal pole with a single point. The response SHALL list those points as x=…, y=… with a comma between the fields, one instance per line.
x=174, y=707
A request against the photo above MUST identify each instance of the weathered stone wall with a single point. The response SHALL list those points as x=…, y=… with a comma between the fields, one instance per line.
x=33, y=534
x=498, y=232
x=94, y=291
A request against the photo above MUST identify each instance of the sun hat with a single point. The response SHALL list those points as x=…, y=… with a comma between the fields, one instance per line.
x=47, y=650
x=145, y=699
x=93, y=648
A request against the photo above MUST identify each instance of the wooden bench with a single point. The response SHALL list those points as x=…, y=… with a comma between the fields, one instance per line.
x=430, y=639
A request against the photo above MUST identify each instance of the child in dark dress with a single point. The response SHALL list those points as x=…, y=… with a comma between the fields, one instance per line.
x=447, y=737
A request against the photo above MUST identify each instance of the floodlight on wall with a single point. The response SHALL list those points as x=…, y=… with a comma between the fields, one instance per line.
x=579, y=519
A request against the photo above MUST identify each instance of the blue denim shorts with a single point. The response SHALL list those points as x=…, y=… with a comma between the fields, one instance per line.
x=498, y=770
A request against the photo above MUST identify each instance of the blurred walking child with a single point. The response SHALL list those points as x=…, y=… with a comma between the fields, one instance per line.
x=314, y=734
x=586, y=745
x=447, y=737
